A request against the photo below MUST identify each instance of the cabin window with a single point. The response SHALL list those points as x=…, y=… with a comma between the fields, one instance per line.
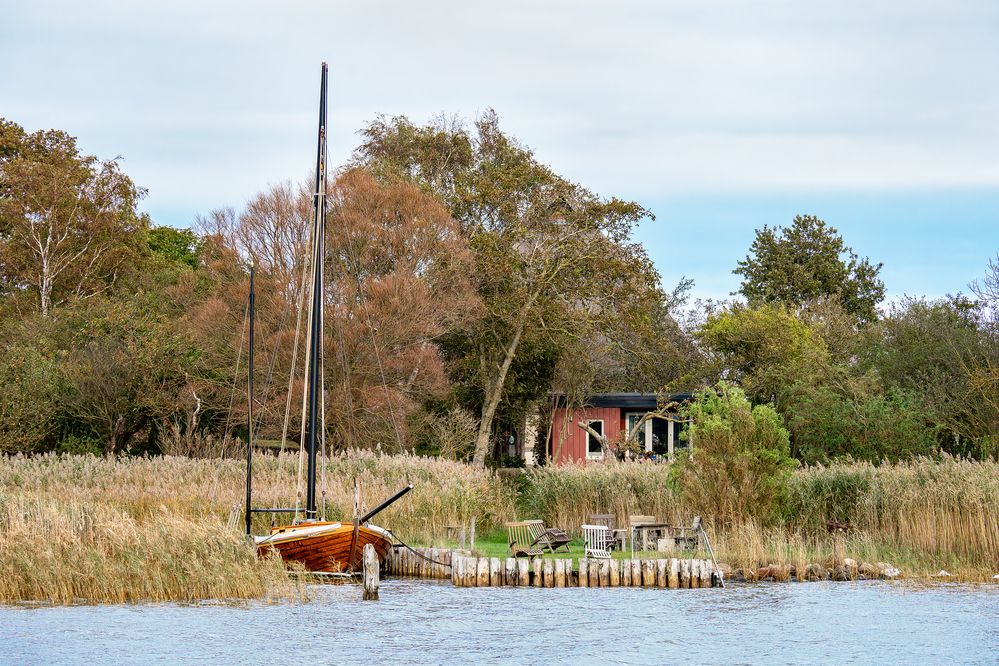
x=593, y=448
x=654, y=437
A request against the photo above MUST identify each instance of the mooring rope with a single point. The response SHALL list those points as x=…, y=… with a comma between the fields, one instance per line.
x=414, y=551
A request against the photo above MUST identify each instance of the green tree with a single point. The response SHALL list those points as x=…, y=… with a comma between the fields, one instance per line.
x=176, y=245
x=807, y=260
x=740, y=464
x=552, y=259
x=766, y=349
x=68, y=222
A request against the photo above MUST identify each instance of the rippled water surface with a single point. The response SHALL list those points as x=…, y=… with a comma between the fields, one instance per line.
x=428, y=622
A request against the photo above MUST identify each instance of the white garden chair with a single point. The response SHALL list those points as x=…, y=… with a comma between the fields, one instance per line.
x=597, y=540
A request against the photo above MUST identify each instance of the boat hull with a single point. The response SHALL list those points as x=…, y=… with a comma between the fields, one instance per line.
x=325, y=546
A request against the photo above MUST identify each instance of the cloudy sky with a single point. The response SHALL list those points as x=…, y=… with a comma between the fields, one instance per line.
x=720, y=117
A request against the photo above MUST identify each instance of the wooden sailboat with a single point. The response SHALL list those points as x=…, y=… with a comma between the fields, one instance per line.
x=320, y=545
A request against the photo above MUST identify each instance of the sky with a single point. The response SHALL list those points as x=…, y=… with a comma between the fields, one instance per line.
x=717, y=116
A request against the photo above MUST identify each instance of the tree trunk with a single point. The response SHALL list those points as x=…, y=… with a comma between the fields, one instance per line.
x=493, y=394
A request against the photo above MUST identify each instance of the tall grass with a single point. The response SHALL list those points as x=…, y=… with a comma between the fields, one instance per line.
x=88, y=528
x=923, y=514
x=99, y=529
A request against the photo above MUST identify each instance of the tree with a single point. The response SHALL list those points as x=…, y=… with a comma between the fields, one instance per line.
x=551, y=258
x=805, y=261
x=766, y=349
x=68, y=223
x=740, y=464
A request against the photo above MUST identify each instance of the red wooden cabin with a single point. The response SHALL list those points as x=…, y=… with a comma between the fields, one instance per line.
x=611, y=414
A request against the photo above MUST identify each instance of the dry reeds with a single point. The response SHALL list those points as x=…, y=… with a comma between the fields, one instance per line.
x=104, y=529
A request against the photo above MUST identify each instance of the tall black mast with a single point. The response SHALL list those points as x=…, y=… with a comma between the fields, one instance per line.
x=249, y=414
x=316, y=324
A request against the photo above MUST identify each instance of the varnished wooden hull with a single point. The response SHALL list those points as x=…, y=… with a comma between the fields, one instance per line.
x=325, y=546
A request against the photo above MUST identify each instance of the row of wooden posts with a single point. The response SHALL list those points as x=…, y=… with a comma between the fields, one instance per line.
x=467, y=571
x=603, y=572
x=419, y=562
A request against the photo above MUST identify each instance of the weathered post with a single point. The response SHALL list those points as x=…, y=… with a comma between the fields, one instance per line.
x=456, y=571
x=615, y=573
x=536, y=565
x=482, y=574
x=560, y=572
x=604, y=572
x=648, y=573
x=494, y=571
x=625, y=573
x=636, y=573
x=674, y=573
x=523, y=573
x=370, y=573
x=584, y=576
x=684, y=573
x=511, y=571
x=662, y=573
x=594, y=572
x=471, y=571
x=548, y=569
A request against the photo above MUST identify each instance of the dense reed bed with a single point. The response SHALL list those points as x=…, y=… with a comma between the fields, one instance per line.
x=923, y=515
x=99, y=529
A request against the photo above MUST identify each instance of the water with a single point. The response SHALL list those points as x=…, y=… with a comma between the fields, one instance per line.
x=427, y=622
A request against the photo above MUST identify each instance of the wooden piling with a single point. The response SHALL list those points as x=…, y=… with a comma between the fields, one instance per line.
x=371, y=566
x=472, y=572
x=559, y=573
x=456, y=571
x=494, y=572
x=707, y=573
x=536, y=579
x=482, y=574
x=636, y=573
x=548, y=573
x=685, y=573
x=674, y=573
x=662, y=573
x=604, y=572
x=511, y=571
x=615, y=573
x=584, y=574
x=648, y=573
x=593, y=572
x=523, y=573
x=625, y=573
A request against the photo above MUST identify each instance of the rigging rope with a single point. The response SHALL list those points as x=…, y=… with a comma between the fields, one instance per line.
x=414, y=551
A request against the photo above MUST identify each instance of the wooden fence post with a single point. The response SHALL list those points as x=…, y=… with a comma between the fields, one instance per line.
x=370, y=559
x=536, y=565
x=649, y=579
x=560, y=572
x=482, y=573
x=494, y=571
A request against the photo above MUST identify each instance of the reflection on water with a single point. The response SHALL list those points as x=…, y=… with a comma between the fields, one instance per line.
x=429, y=622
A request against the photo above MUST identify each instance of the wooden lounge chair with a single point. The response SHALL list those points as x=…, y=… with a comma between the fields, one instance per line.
x=598, y=541
x=551, y=538
x=520, y=540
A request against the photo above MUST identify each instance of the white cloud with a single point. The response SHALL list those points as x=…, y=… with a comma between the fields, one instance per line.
x=210, y=101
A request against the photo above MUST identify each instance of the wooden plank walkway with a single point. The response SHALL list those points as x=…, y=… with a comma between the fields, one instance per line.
x=464, y=570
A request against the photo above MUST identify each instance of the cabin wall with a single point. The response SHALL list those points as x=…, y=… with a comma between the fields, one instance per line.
x=573, y=438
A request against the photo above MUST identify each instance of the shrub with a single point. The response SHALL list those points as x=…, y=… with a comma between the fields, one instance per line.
x=740, y=466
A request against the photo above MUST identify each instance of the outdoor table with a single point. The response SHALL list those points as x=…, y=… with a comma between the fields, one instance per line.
x=657, y=530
